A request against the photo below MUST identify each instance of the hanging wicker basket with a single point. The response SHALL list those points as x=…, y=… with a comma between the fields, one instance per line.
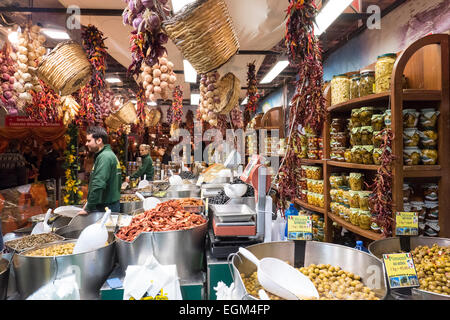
x=153, y=117
x=229, y=88
x=204, y=33
x=127, y=113
x=113, y=122
x=66, y=68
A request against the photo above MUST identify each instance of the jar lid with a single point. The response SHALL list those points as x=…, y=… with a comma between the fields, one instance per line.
x=340, y=75
x=367, y=71
x=387, y=55
x=355, y=76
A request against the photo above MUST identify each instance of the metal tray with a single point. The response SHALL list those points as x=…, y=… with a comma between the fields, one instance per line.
x=233, y=212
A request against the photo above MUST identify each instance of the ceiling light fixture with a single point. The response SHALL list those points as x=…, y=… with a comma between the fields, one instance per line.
x=190, y=75
x=195, y=99
x=275, y=71
x=56, y=34
x=177, y=5
x=329, y=13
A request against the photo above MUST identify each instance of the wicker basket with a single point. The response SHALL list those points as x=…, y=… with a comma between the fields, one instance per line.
x=204, y=33
x=127, y=113
x=229, y=87
x=153, y=117
x=66, y=68
x=113, y=122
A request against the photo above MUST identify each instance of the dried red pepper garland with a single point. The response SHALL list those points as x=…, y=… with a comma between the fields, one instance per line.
x=252, y=90
x=141, y=102
x=175, y=112
x=45, y=105
x=308, y=104
x=91, y=95
x=381, y=197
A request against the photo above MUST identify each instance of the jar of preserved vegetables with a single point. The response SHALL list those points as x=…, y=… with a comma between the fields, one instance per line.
x=366, y=83
x=383, y=72
x=354, y=86
x=340, y=89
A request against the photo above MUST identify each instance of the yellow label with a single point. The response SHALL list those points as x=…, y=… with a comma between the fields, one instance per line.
x=407, y=223
x=400, y=270
x=299, y=227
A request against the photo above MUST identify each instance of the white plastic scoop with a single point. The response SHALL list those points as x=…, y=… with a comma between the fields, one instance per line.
x=43, y=227
x=279, y=278
x=93, y=236
x=149, y=203
x=143, y=183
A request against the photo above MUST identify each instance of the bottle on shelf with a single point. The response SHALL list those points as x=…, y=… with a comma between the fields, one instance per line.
x=291, y=211
x=360, y=246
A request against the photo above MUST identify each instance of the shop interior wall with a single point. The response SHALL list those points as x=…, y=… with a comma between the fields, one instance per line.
x=407, y=23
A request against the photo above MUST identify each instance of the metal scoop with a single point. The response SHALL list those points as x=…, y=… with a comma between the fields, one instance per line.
x=279, y=278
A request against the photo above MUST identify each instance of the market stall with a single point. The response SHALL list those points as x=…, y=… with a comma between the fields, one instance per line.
x=205, y=155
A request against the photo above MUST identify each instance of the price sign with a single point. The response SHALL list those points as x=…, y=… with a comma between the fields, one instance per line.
x=299, y=227
x=407, y=224
x=400, y=270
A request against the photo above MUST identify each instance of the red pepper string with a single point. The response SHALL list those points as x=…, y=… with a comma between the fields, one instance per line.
x=45, y=104
x=175, y=112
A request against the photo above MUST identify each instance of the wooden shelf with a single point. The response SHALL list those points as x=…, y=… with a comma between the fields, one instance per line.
x=308, y=206
x=355, y=229
x=408, y=95
x=312, y=161
x=422, y=171
x=353, y=165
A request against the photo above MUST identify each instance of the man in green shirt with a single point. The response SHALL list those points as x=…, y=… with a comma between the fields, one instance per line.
x=105, y=180
x=147, y=164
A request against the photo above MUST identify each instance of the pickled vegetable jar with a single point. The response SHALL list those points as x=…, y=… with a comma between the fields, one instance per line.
x=339, y=140
x=356, y=122
x=366, y=83
x=428, y=118
x=383, y=72
x=367, y=154
x=337, y=154
x=354, y=213
x=411, y=137
x=348, y=155
x=364, y=198
x=410, y=118
x=340, y=89
x=429, y=156
x=354, y=86
x=364, y=219
x=387, y=118
x=356, y=181
x=336, y=181
x=377, y=152
x=366, y=135
x=355, y=136
x=428, y=138
x=365, y=115
x=377, y=122
x=377, y=139
x=353, y=199
x=337, y=125
x=357, y=155
x=411, y=156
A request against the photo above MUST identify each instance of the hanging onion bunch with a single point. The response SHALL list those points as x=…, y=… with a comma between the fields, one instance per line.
x=28, y=55
x=209, y=97
x=9, y=86
x=148, y=38
x=158, y=81
x=176, y=110
x=252, y=91
x=106, y=102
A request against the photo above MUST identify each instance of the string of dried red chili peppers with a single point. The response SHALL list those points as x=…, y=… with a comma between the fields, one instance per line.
x=308, y=104
x=381, y=197
x=252, y=90
x=141, y=102
x=45, y=105
x=175, y=112
x=90, y=95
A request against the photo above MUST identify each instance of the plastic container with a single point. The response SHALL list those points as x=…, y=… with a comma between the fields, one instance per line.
x=291, y=211
x=360, y=246
x=383, y=72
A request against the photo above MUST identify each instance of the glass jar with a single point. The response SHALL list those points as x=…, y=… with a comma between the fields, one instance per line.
x=364, y=219
x=356, y=122
x=365, y=115
x=338, y=140
x=337, y=154
x=334, y=195
x=313, y=142
x=313, y=172
x=348, y=155
x=429, y=156
x=336, y=181
x=356, y=181
x=374, y=226
x=377, y=122
x=410, y=118
x=419, y=207
x=366, y=83
x=411, y=156
x=337, y=125
x=377, y=152
x=364, y=199
x=428, y=138
x=411, y=137
x=354, y=213
x=346, y=212
x=355, y=136
x=340, y=89
x=353, y=199
x=383, y=72
x=313, y=154
x=357, y=155
x=377, y=139
x=432, y=209
x=366, y=135
x=334, y=207
x=387, y=118
x=354, y=86
x=430, y=191
x=428, y=118
x=407, y=192
x=367, y=154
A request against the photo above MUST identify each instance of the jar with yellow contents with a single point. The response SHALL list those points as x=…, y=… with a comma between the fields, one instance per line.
x=383, y=72
x=340, y=89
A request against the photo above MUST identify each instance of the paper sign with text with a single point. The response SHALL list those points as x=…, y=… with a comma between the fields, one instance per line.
x=299, y=227
x=407, y=224
x=400, y=270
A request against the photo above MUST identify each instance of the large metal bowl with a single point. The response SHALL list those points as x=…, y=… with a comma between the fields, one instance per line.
x=130, y=206
x=369, y=268
x=184, y=248
x=78, y=223
x=91, y=269
x=392, y=245
x=183, y=191
x=4, y=278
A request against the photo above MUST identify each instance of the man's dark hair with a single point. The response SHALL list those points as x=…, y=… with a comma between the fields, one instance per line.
x=98, y=133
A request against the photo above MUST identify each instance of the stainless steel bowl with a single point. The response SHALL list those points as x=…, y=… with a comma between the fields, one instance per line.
x=4, y=278
x=128, y=207
x=392, y=245
x=183, y=191
x=184, y=248
x=369, y=268
x=78, y=223
x=91, y=269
